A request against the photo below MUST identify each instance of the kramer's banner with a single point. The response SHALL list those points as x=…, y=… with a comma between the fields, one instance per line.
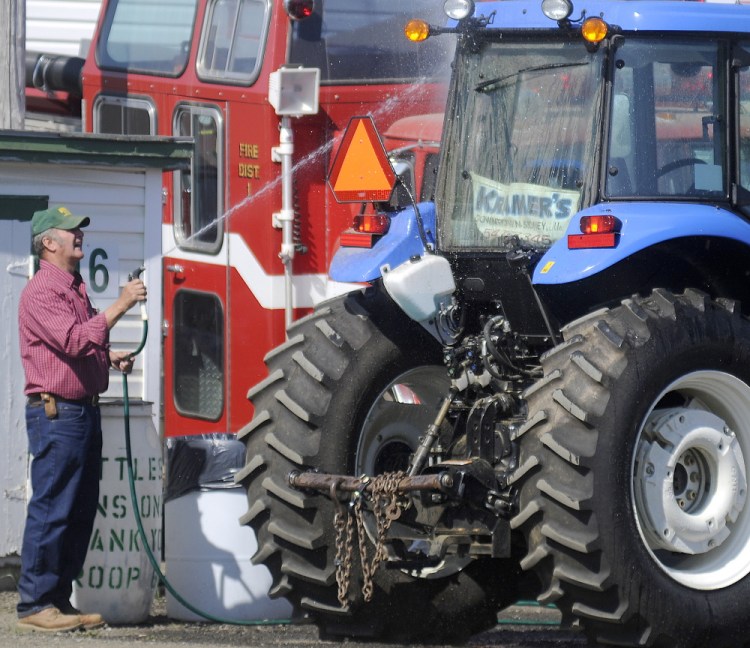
x=535, y=214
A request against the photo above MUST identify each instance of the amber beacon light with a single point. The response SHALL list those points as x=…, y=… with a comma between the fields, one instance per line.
x=594, y=30
x=417, y=30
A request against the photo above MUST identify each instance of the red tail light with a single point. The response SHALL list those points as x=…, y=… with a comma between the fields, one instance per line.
x=598, y=224
x=599, y=231
x=371, y=223
x=365, y=230
x=299, y=9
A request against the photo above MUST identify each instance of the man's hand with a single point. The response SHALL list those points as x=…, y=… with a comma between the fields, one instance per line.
x=132, y=292
x=121, y=361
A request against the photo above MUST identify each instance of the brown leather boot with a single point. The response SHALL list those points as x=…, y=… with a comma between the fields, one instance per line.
x=89, y=621
x=49, y=620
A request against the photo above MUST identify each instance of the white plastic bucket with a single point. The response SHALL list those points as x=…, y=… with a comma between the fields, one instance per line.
x=207, y=554
x=118, y=581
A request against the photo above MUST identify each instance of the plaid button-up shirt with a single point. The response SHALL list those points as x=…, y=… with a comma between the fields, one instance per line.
x=63, y=341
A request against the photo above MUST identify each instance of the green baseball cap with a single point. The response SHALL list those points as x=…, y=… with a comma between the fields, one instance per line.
x=57, y=217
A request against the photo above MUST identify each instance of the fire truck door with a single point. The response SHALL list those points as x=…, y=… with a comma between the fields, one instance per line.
x=195, y=284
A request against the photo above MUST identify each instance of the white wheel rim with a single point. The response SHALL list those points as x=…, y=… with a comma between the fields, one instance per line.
x=689, y=480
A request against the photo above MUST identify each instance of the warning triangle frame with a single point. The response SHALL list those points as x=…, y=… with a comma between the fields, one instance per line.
x=350, y=179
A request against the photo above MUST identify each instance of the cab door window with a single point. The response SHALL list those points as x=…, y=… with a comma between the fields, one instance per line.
x=198, y=196
x=668, y=129
x=198, y=355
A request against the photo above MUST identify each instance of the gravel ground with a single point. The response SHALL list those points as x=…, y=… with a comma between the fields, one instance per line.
x=522, y=626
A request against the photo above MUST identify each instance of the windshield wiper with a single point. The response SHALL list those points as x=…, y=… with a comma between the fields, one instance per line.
x=486, y=86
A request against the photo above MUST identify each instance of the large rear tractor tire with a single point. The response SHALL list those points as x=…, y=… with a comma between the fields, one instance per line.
x=633, y=473
x=351, y=392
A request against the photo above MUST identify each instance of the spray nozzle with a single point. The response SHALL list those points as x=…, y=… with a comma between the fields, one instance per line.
x=135, y=275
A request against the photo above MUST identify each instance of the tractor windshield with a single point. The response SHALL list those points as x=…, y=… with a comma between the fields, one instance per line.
x=519, y=143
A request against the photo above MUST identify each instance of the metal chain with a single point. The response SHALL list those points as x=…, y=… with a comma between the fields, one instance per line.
x=386, y=508
x=367, y=567
x=342, y=523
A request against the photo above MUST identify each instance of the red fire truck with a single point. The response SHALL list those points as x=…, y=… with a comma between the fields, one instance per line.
x=263, y=87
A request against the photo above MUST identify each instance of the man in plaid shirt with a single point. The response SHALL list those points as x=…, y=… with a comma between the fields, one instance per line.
x=66, y=358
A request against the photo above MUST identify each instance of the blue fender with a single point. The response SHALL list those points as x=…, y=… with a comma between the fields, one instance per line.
x=643, y=224
x=401, y=242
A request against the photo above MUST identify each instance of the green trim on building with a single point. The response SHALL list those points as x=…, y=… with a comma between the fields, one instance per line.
x=168, y=153
x=21, y=208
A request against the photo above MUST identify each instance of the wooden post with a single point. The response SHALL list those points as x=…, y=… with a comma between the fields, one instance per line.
x=12, y=64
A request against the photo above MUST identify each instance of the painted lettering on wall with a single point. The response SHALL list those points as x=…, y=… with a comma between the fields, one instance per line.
x=101, y=266
x=115, y=552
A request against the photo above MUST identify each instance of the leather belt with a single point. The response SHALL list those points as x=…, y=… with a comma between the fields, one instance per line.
x=35, y=400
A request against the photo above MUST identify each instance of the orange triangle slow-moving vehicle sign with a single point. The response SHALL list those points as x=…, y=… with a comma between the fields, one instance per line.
x=361, y=171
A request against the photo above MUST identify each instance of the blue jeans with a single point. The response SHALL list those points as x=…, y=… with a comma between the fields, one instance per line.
x=65, y=471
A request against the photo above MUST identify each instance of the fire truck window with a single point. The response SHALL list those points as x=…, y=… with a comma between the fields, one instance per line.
x=198, y=355
x=232, y=41
x=364, y=41
x=147, y=36
x=199, y=204
x=124, y=116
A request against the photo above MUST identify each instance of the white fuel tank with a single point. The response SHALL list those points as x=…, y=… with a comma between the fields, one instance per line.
x=421, y=286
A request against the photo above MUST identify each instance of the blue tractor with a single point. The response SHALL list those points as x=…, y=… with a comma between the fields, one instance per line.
x=544, y=387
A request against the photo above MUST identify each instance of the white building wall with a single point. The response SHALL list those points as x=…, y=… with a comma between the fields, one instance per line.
x=125, y=211
x=61, y=26
x=15, y=268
